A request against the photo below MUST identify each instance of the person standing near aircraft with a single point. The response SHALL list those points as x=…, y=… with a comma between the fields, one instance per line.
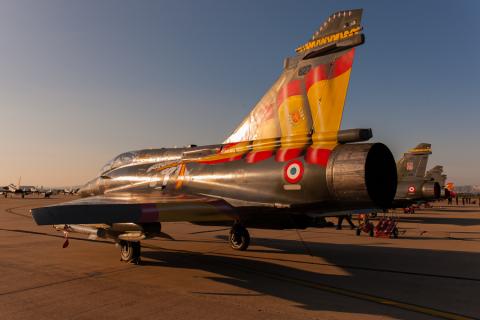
x=347, y=217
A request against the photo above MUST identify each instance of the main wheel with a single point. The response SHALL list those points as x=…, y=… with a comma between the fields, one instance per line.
x=239, y=237
x=130, y=251
x=394, y=233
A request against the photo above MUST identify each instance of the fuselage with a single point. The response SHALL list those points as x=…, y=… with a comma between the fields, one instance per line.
x=247, y=175
x=415, y=191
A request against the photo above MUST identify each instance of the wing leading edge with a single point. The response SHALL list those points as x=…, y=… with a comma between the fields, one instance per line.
x=118, y=208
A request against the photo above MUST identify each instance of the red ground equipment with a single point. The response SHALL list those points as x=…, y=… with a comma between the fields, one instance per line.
x=364, y=225
x=411, y=209
x=386, y=228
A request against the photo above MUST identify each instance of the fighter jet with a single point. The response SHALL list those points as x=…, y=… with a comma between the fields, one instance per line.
x=413, y=185
x=436, y=174
x=47, y=192
x=18, y=189
x=69, y=191
x=285, y=165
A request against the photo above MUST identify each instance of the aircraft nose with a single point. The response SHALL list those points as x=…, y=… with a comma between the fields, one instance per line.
x=87, y=189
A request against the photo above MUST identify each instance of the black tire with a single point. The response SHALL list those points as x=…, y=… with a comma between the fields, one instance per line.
x=394, y=233
x=357, y=232
x=239, y=238
x=130, y=251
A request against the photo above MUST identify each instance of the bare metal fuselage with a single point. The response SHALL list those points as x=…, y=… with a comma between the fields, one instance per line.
x=356, y=176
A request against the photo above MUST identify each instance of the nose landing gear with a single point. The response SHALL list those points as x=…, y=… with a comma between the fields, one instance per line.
x=130, y=251
x=239, y=237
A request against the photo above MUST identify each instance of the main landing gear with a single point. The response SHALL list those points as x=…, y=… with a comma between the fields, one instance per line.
x=239, y=237
x=130, y=251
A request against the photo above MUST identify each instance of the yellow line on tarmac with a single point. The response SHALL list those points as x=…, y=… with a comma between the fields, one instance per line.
x=367, y=297
x=326, y=288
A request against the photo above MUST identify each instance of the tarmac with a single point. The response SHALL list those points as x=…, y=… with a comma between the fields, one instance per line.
x=432, y=271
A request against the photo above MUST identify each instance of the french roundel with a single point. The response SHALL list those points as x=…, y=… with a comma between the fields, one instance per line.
x=293, y=171
x=411, y=189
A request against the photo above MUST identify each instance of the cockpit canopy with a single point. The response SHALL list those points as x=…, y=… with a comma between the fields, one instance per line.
x=142, y=157
x=119, y=161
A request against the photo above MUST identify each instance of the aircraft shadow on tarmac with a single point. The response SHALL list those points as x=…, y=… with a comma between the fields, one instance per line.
x=465, y=222
x=369, y=270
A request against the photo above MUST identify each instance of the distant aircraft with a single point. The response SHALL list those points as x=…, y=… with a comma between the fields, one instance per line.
x=436, y=174
x=413, y=185
x=69, y=191
x=286, y=165
x=47, y=192
x=18, y=189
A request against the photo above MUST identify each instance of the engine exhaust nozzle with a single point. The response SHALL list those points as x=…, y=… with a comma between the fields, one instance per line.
x=363, y=173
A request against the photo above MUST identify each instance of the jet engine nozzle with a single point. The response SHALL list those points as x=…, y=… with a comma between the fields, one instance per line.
x=431, y=190
x=363, y=173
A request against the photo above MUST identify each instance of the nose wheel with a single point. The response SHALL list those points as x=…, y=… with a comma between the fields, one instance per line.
x=239, y=237
x=130, y=251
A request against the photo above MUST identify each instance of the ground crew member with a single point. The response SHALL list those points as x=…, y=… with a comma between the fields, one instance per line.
x=349, y=220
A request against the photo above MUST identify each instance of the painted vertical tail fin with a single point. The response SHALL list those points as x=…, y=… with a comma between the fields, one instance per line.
x=413, y=164
x=308, y=97
x=436, y=174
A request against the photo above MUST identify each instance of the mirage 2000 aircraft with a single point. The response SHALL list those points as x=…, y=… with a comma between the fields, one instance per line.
x=413, y=185
x=436, y=175
x=18, y=189
x=284, y=166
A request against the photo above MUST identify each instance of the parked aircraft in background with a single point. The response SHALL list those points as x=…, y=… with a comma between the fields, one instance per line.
x=18, y=189
x=286, y=165
x=436, y=174
x=413, y=185
x=69, y=191
x=47, y=192
x=27, y=190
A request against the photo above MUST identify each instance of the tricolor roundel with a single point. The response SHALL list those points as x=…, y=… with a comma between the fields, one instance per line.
x=293, y=171
x=411, y=189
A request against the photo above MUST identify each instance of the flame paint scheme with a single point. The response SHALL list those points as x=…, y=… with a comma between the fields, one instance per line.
x=285, y=165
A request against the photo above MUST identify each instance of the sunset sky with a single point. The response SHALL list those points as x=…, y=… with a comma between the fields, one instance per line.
x=82, y=81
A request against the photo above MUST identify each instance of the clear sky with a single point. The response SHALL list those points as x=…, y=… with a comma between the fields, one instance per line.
x=81, y=81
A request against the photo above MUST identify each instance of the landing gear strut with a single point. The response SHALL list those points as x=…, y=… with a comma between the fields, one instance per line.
x=239, y=237
x=130, y=251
